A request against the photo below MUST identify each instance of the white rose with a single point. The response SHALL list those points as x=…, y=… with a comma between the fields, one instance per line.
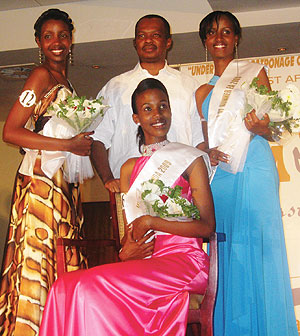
x=81, y=114
x=173, y=208
x=96, y=106
x=75, y=102
x=292, y=94
x=71, y=112
x=86, y=103
x=151, y=198
x=260, y=103
x=151, y=186
x=87, y=113
x=276, y=115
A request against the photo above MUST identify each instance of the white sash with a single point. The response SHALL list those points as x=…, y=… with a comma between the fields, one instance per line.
x=166, y=164
x=226, y=129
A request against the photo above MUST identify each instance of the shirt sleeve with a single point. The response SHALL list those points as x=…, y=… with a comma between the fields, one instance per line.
x=196, y=124
x=106, y=129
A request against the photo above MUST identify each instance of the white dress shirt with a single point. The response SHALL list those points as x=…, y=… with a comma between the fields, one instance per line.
x=117, y=131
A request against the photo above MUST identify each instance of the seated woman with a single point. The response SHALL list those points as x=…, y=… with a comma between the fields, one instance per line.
x=148, y=296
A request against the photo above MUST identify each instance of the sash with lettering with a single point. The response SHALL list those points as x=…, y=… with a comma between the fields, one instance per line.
x=166, y=164
x=226, y=128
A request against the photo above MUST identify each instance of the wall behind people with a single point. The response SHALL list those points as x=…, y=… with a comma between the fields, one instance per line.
x=10, y=160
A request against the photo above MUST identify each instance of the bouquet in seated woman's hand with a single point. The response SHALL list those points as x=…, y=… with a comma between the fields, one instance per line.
x=165, y=202
x=283, y=107
x=70, y=117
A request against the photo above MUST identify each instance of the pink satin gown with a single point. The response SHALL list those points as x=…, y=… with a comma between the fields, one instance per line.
x=138, y=297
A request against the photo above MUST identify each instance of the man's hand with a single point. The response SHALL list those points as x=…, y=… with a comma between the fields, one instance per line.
x=100, y=162
x=133, y=250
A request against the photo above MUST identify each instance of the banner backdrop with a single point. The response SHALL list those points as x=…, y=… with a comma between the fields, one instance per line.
x=282, y=70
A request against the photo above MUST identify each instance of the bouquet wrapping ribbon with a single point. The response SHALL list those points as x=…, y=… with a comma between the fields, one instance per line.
x=76, y=168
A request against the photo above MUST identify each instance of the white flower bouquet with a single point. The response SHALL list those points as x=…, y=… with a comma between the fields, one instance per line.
x=166, y=202
x=283, y=107
x=81, y=114
x=70, y=117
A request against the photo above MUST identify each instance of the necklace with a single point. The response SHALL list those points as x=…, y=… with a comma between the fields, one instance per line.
x=148, y=150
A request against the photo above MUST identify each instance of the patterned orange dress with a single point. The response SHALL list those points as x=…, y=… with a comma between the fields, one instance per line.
x=42, y=210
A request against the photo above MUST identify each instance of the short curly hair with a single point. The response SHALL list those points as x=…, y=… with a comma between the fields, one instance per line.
x=155, y=16
x=52, y=14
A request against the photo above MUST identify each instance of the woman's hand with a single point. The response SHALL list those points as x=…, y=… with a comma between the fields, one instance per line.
x=133, y=250
x=81, y=144
x=215, y=156
x=257, y=126
x=140, y=226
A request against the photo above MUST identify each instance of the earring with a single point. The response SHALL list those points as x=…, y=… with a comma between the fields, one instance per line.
x=139, y=124
x=206, y=58
x=236, y=50
x=237, y=58
x=71, y=59
x=41, y=56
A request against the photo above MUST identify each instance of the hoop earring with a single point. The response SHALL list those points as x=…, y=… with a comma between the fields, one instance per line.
x=206, y=57
x=71, y=58
x=41, y=56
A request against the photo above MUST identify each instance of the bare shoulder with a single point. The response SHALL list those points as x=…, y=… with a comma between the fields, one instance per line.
x=39, y=80
x=125, y=174
x=263, y=78
x=39, y=73
x=127, y=167
x=203, y=91
x=130, y=162
x=198, y=163
x=201, y=94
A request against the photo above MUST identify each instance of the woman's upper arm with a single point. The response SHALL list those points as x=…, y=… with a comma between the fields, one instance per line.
x=125, y=175
x=200, y=97
x=202, y=197
x=263, y=79
x=37, y=83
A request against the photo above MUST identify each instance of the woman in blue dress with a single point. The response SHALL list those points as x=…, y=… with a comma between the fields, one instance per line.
x=254, y=292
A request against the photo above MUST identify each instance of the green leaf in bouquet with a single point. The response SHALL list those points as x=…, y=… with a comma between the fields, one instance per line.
x=145, y=193
x=70, y=101
x=77, y=121
x=159, y=183
x=175, y=192
x=160, y=210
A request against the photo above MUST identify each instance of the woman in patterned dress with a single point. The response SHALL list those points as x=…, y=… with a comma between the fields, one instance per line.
x=42, y=208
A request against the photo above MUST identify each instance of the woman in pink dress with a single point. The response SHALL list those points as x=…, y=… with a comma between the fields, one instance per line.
x=148, y=296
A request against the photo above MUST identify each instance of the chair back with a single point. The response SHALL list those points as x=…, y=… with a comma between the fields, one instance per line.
x=90, y=247
x=201, y=317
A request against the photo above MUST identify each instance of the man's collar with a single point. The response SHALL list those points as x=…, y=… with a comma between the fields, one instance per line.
x=165, y=69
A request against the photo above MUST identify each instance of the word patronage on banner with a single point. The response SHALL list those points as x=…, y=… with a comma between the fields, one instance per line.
x=278, y=61
x=282, y=69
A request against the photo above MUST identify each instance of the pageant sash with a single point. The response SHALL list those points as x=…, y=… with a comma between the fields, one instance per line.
x=166, y=164
x=226, y=129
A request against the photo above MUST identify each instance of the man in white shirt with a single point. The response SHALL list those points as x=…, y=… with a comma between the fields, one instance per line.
x=117, y=131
